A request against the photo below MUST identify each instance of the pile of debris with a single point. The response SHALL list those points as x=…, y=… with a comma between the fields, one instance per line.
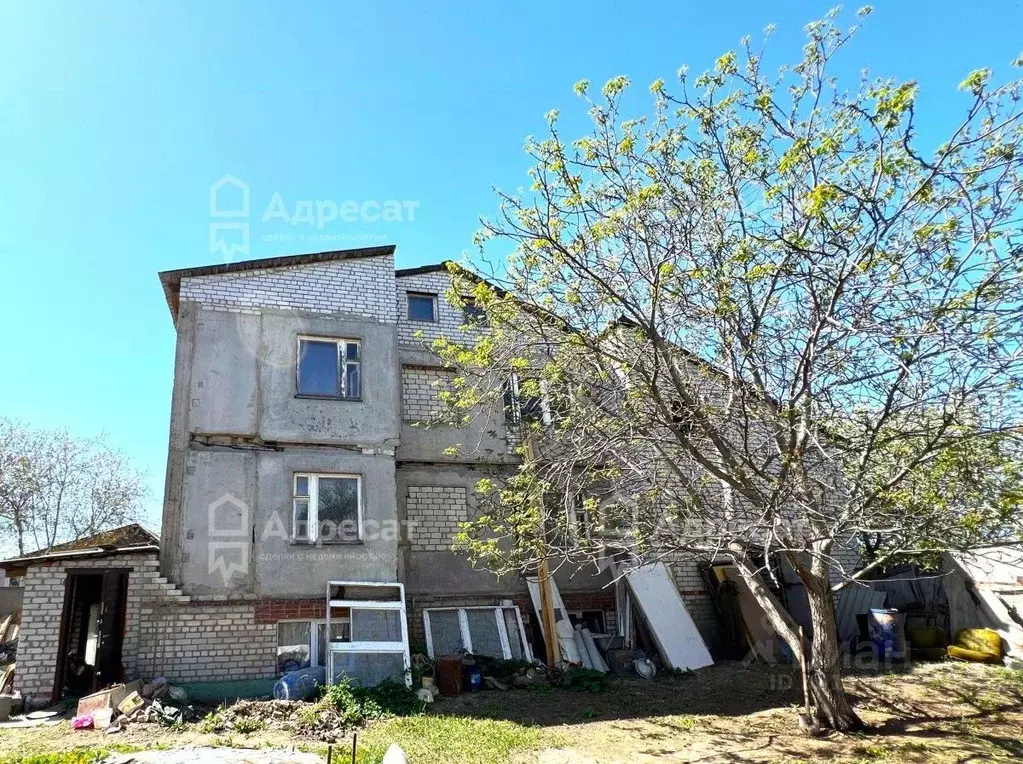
x=113, y=709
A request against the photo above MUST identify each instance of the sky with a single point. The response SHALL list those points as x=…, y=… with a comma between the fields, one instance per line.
x=116, y=118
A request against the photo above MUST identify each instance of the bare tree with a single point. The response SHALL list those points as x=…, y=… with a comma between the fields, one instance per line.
x=751, y=324
x=56, y=488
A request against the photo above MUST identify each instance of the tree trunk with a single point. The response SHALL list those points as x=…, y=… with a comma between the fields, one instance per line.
x=833, y=709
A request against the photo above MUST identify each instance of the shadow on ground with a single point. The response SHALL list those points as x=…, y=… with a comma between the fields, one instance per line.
x=725, y=689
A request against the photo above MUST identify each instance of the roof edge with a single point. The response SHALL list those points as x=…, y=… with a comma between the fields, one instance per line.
x=72, y=554
x=421, y=269
x=171, y=280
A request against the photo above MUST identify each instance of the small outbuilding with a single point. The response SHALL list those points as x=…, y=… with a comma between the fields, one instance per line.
x=985, y=589
x=81, y=612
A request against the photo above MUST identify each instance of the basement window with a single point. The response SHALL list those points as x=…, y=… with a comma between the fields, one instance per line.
x=301, y=644
x=327, y=509
x=422, y=307
x=494, y=631
x=329, y=368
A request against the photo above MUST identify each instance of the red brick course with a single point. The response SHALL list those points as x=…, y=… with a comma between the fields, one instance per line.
x=274, y=610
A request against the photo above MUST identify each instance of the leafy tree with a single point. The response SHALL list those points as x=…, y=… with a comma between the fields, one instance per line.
x=56, y=488
x=761, y=321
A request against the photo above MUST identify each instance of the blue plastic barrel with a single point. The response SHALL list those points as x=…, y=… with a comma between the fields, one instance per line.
x=884, y=625
x=473, y=678
x=301, y=684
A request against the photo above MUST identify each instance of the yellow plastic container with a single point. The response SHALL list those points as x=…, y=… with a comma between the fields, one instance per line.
x=978, y=645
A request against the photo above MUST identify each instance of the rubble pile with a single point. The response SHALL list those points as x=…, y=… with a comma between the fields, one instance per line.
x=114, y=708
x=319, y=719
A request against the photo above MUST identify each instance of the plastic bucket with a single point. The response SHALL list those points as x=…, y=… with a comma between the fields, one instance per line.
x=101, y=718
x=474, y=678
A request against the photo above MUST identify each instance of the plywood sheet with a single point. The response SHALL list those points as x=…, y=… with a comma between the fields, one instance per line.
x=672, y=627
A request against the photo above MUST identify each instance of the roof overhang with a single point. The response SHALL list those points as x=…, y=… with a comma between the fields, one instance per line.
x=77, y=554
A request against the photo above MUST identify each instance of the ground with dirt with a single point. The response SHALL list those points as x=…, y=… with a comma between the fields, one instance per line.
x=941, y=713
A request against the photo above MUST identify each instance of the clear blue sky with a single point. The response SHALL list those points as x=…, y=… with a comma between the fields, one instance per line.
x=115, y=118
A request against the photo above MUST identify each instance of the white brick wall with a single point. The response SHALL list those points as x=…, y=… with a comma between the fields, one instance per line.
x=433, y=514
x=39, y=639
x=165, y=633
x=362, y=286
x=207, y=643
x=450, y=318
x=420, y=389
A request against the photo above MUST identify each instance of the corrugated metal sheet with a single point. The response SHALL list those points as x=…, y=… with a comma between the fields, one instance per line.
x=853, y=600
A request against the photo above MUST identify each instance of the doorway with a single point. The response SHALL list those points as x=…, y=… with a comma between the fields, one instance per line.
x=91, y=632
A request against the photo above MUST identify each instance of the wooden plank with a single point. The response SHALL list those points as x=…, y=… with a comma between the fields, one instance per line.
x=563, y=631
x=672, y=627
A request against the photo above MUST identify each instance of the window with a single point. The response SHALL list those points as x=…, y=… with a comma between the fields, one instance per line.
x=327, y=508
x=525, y=401
x=422, y=307
x=377, y=645
x=579, y=518
x=472, y=314
x=329, y=368
x=493, y=631
x=301, y=644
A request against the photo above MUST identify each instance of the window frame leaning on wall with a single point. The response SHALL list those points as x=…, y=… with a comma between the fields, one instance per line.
x=463, y=623
x=368, y=648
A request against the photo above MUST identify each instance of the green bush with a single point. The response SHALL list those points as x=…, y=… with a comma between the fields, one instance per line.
x=356, y=704
x=500, y=668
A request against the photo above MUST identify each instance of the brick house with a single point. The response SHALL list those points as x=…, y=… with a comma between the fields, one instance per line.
x=299, y=488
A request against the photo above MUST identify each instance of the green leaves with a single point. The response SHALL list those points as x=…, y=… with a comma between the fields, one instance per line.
x=615, y=86
x=976, y=81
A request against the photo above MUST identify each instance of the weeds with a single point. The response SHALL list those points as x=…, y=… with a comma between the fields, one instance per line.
x=581, y=679
x=356, y=704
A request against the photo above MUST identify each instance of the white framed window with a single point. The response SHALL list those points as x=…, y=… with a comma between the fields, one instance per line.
x=523, y=403
x=579, y=521
x=422, y=306
x=376, y=648
x=303, y=643
x=494, y=631
x=326, y=508
x=329, y=368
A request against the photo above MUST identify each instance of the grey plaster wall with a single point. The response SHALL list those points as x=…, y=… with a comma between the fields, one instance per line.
x=445, y=572
x=235, y=377
x=224, y=379
x=372, y=420
x=284, y=568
